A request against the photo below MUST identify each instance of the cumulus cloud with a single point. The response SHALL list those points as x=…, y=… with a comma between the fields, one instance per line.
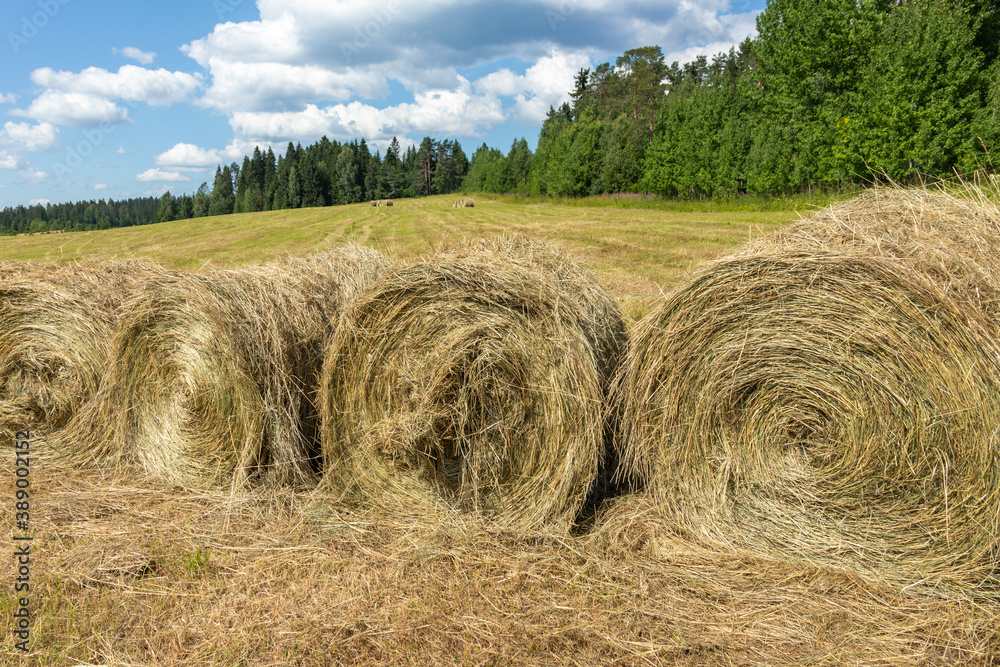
x=307, y=68
x=16, y=139
x=88, y=98
x=9, y=98
x=101, y=186
x=77, y=109
x=250, y=86
x=156, y=175
x=39, y=202
x=440, y=112
x=132, y=83
x=544, y=84
x=32, y=175
x=186, y=156
x=142, y=57
x=28, y=138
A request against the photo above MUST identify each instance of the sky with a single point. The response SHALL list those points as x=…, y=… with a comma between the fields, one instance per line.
x=124, y=99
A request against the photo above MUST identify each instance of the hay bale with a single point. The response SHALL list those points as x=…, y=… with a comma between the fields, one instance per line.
x=838, y=404
x=472, y=381
x=955, y=240
x=55, y=325
x=463, y=203
x=215, y=375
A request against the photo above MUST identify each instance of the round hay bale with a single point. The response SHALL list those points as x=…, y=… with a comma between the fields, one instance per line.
x=473, y=381
x=954, y=239
x=827, y=405
x=56, y=322
x=215, y=374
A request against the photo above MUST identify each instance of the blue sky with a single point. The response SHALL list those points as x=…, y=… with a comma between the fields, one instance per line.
x=124, y=99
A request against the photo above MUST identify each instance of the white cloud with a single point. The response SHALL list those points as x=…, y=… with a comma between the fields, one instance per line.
x=131, y=83
x=184, y=156
x=77, y=109
x=273, y=40
x=101, y=186
x=121, y=150
x=28, y=138
x=32, y=175
x=438, y=112
x=311, y=67
x=250, y=86
x=9, y=98
x=19, y=138
x=718, y=36
x=142, y=57
x=546, y=83
x=155, y=175
x=39, y=202
x=87, y=98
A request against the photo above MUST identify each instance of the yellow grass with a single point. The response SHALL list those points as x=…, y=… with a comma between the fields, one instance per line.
x=128, y=570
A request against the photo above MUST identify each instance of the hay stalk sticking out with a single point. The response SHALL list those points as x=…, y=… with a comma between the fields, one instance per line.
x=56, y=322
x=215, y=375
x=472, y=381
x=839, y=405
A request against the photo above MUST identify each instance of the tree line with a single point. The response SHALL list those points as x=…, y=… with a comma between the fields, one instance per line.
x=830, y=94
x=321, y=174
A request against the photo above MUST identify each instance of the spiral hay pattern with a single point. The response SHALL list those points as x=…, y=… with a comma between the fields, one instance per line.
x=832, y=392
x=473, y=382
x=56, y=322
x=215, y=375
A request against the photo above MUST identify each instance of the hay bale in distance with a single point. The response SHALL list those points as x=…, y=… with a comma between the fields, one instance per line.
x=472, y=381
x=381, y=202
x=56, y=322
x=838, y=405
x=215, y=374
x=463, y=203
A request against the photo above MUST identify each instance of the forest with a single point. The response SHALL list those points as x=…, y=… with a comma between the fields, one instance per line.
x=830, y=95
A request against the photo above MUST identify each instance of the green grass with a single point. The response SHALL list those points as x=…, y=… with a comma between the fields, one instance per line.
x=636, y=252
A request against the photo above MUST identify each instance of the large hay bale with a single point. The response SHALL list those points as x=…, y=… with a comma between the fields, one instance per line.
x=215, y=374
x=56, y=322
x=839, y=404
x=955, y=240
x=473, y=381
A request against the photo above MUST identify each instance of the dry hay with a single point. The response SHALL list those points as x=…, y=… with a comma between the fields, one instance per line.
x=215, y=374
x=55, y=326
x=381, y=202
x=473, y=381
x=463, y=203
x=836, y=405
x=955, y=240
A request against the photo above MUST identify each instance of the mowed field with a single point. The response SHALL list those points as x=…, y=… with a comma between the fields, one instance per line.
x=129, y=571
x=634, y=251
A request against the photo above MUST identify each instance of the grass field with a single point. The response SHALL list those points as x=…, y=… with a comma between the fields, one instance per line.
x=635, y=251
x=128, y=571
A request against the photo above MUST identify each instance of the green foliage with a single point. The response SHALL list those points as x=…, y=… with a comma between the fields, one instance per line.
x=830, y=94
